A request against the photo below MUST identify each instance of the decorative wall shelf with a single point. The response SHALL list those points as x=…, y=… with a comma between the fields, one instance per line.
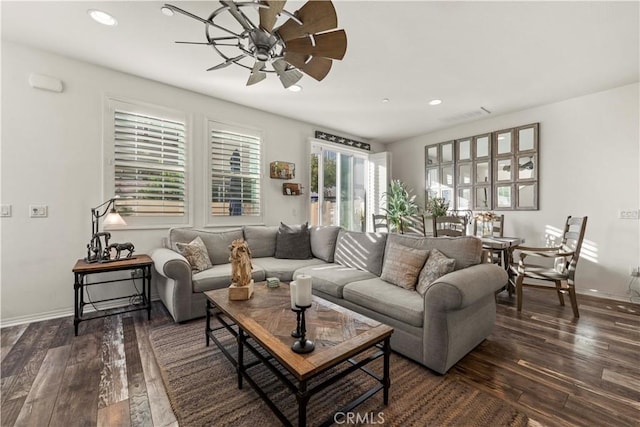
x=291, y=189
x=282, y=170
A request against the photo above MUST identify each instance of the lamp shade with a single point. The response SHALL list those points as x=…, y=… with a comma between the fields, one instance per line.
x=113, y=218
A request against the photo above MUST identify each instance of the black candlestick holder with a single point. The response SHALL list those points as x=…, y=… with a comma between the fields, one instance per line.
x=302, y=345
x=296, y=332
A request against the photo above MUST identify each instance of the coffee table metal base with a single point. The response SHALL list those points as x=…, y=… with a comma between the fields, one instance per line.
x=300, y=388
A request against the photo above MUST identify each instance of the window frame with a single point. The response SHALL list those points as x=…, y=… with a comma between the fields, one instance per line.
x=211, y=220
x=113, y=103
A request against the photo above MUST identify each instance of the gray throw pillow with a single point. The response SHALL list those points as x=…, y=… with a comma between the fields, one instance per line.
x=261, y=240
x=293, y=242
x=402, y=265
x=363, y=251
x=196, y=254
x=323, y=241
x=437, y=265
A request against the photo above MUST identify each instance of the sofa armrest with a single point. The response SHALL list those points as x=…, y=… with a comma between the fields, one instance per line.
x=462, y=288
x=173, y=282
x=171, y=265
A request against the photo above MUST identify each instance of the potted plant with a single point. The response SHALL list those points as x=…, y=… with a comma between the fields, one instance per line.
x=400, y=203
x=437, y=206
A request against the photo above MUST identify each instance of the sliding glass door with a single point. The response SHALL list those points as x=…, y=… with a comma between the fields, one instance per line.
x=338, y=187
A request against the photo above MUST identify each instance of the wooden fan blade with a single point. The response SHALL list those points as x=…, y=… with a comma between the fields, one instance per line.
x=318, y=68
x=316, y=16
x=268, y=16
x=298, y=60
x=237, y=13
x=328, y=45
x=287, y=77
x=227, y=62
x=256, y=75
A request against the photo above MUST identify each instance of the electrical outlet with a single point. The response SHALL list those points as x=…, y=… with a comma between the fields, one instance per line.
x=632, y=214
x=5, y=210
x=635, y=271
x=38, y=211
x=136, y=274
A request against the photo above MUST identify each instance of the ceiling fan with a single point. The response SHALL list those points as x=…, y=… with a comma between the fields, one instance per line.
x=245, y=34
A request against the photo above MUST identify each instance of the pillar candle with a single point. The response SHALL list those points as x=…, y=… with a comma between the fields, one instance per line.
x=303, y=290
x=292, y=292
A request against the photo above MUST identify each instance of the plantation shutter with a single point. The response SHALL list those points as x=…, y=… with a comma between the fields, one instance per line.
x=149, y=164
x=235, y=173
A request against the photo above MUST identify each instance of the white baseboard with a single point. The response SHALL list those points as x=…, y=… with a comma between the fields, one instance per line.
x=598, y=294
x=65, y=312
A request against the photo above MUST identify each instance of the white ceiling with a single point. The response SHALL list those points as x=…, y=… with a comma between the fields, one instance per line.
x=503, y=56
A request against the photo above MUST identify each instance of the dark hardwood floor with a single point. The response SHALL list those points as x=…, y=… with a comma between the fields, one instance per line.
x=558, y=370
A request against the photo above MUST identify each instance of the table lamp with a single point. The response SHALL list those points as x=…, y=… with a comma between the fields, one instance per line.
x=95, y=247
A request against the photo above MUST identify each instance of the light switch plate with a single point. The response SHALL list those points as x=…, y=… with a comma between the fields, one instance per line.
x=38, y=211
x=5, y=210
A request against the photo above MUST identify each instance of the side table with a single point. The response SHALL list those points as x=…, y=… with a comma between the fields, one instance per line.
x=82, y=269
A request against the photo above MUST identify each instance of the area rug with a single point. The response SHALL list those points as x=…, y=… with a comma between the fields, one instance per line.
x=202, y=388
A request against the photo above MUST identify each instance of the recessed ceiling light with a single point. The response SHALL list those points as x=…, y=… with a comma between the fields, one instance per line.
x=435, y=102
x=295, y=88
x=165, y=10
x=102, y=17
x=385, y=100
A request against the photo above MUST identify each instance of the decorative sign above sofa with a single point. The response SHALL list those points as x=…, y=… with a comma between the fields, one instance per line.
x=341, y=140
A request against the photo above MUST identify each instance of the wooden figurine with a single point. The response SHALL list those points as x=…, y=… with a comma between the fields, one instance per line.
x=241, y=282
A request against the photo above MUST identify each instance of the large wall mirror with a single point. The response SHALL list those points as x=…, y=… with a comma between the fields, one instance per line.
x=496, y=170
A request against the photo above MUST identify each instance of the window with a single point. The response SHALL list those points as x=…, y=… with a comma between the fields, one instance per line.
x=235, y=166
x=145, y=152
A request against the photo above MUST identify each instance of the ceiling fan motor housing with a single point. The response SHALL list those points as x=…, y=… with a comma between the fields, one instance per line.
x=262, y=45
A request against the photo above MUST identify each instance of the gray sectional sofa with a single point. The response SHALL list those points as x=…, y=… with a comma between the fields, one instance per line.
x=455, y=314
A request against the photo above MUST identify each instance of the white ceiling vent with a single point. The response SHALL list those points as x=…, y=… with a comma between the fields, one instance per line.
x=469, y=115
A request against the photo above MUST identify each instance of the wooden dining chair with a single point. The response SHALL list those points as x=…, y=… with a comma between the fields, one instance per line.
x=565, y=255
x=449, y=226
x=379, y=223
x=413, y=225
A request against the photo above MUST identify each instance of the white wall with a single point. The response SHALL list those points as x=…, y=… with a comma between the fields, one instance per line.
x=589, y=162
x=52, y=154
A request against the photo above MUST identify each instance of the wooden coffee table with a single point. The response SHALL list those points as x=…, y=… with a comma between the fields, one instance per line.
x=266, y=320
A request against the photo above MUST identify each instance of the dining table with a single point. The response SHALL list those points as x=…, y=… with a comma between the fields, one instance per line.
x=505, y=246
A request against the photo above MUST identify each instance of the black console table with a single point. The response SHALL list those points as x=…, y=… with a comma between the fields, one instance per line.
x=82, y=269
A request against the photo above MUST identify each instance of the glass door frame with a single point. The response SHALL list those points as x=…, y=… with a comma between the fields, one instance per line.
x=318, y=147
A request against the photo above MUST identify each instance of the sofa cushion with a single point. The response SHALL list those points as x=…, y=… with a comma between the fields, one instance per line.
x=293, y=242
x=384, y=298
x=196, y=254
x=437, y=265
x=261, y=240
x=217, y=242
x=323, y=241
x=283, y=268
x=363, y=251
x=331, y=278
x=402, y=265
x=466, y=250
x=219, y=277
